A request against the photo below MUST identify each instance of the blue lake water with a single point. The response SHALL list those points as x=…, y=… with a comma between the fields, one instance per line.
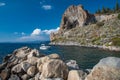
x=85, y=57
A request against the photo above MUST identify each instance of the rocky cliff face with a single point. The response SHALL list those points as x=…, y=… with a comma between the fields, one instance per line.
x=85, y=29
x=75, y=16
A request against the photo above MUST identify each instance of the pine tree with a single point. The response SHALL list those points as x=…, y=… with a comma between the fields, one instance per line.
x=117, y=6
x=103, y=10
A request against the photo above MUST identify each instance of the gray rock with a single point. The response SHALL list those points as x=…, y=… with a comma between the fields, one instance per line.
x=32, y=60
x=53, y=79
x=72, y=64
x=14, y=77
x=31, y=71
x=107, y=69
x=25, y=77
x=54, y=56
x=54, y=68
x=33, y=53
x=25, y=66
x=4, y=74
x=17, y=68
x=76, y=75
x=37, y=76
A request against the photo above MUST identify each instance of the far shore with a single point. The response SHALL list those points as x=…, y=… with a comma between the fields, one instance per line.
x=111, y=48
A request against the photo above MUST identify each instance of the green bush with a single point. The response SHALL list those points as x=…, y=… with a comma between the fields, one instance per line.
x=99, y=24
x=119, y=16
x=116, y=41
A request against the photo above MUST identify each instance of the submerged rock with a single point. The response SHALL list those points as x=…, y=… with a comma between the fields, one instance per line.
x=107, y=69
x=72, y=64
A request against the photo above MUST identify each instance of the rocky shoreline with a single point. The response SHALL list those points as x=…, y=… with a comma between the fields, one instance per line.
x=111, y=48
x=29, y=64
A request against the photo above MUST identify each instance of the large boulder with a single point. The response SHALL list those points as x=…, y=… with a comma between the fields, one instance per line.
x=31, y=71
x=76, y=75
x=107, y=69
x=33, y=60
x=14, y=77
x=22, y=52
x=53, y=79
x=54, y=68
x=33, y=53
x=25, y=66
x=25, y=77
x=4, y=74
x=17, y=68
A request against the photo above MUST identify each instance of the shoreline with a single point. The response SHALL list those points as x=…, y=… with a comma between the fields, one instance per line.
x=110, y=48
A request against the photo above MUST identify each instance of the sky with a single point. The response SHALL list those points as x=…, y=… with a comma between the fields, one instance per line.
x=31, y=20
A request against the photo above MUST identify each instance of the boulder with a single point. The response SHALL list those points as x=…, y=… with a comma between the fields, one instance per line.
x=37, y=76
x=32, y=60
x=41, y=61
x=76, y=75
x=53, y=79
x=54, y=56
x=3, y=65
x=54, y=68
x=22, y=52
x=25, y=66
x=4, y=74
x=72, y=64
x=31, y=71
x=25, y=77
x=107, y=69
x=14, y=77
x=17, y=68
x=33, y=53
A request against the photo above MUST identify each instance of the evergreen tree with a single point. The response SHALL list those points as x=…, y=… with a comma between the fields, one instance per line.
x=117, y=6
x=103, y=10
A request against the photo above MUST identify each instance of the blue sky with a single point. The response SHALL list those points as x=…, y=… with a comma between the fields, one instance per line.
x=29, y=20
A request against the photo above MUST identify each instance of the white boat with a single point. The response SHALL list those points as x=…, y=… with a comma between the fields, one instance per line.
x=43, y=47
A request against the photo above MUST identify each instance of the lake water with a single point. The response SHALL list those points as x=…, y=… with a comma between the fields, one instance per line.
x=85, y=57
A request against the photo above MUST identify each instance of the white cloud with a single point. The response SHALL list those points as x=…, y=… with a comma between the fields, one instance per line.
x=2, y=4
x=23, y=33
x=47, y=7
x=36, y=32
x=51, y=30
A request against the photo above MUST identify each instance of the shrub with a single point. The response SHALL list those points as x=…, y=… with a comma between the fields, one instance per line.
x=99, y=24
x=116, y=41
x=119, y=16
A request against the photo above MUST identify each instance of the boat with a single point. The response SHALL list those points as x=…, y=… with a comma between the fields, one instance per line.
x=43, y=47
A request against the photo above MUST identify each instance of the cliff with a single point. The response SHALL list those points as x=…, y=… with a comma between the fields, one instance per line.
x=85, y=29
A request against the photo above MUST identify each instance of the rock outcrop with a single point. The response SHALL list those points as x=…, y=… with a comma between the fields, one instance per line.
x=28, y=64
x=107, y=69
x=75, y=16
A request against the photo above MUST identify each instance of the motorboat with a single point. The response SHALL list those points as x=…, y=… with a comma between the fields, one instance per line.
x=43, y=47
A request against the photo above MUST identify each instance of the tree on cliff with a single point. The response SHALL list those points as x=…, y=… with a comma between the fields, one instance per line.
x=117, y=6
